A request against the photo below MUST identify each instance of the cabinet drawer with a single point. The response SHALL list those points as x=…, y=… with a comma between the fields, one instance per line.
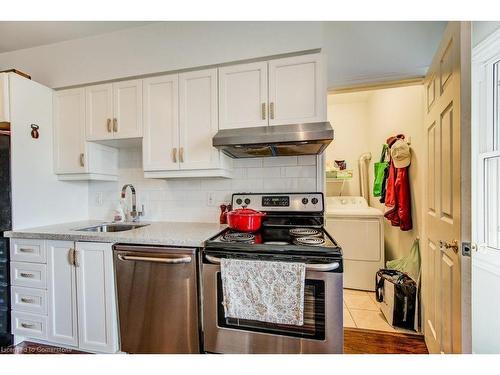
x=29, y=325
x=28, y=274
x=22, y=250
x=29, y=300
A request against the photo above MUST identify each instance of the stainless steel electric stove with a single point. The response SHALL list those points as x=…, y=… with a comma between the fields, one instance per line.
x=292, y=231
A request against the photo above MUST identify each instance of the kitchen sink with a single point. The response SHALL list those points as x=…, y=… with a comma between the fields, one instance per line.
x=111, y=227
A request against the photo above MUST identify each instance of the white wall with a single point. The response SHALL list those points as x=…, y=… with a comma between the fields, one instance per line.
x=349, y=116
x=187, y=199
x=482, y=29
x=386, y=112
x=160, y=47
x=38, y=198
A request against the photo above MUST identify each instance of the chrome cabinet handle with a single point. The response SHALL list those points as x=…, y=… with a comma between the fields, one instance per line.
x=263, y=111
x=174, y=154
x=271, y=110
x=309, y=267
x=27, y=275
x=155, y=260
x=108, y=125
x=115, y=125
x=82, y=160
x=27, y=300
x=27, y=325
x=25, y=250
x=181, y=154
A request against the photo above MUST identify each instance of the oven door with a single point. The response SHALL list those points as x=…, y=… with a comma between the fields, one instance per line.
x=322, y=331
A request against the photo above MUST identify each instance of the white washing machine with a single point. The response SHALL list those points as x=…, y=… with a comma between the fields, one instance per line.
x=359, y=230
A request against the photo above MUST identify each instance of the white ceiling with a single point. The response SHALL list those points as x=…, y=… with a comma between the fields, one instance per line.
x=18, y=35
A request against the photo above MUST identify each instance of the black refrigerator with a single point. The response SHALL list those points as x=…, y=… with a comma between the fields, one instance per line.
x=5, y=225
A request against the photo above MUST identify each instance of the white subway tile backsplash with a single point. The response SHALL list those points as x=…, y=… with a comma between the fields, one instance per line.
x=307, y=160
x=187, y=199
x=280, y=161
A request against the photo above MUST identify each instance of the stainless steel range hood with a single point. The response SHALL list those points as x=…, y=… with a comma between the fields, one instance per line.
x=280, y=140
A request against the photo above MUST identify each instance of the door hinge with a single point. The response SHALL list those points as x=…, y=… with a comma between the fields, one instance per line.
x=466, y=249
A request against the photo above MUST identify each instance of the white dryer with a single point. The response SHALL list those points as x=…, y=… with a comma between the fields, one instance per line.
x=359, y=230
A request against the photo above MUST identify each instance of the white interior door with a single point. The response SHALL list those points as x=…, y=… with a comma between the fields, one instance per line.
x=486, y=206
x=297, y=90
x=198, y=119
x=161, y=123
x=243, y=96
x=69, y=131
x=127, y=109
x=99, y=112
x=61, y=287
x=446, y=208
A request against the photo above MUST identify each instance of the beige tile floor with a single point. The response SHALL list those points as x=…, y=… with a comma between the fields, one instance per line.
x=361, y=310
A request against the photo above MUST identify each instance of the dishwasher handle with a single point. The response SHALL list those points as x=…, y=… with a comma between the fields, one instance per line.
x=181, y=260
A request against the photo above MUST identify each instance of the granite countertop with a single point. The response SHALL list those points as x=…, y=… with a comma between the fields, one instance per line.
x=155, y=233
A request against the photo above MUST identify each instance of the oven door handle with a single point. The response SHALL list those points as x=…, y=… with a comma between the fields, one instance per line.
x=309, y=267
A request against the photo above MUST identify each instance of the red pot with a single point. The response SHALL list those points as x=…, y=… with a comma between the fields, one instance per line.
x=245, y=219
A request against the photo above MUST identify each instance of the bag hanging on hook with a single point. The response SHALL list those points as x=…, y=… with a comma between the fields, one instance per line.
x=34, y=131
x=379, y=170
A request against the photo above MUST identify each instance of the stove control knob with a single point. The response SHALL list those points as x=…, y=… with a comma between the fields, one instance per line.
x=305, y=201
x=247, y=201
x=239, y=201
x=314, y=200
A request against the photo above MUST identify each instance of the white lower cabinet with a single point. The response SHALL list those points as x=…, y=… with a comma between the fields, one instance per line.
x=61, y=284
x=76, y=306
x=97, y=316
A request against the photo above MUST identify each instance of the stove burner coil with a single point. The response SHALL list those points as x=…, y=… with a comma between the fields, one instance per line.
x=309, y=241
x=304, y=232
x=239, y=237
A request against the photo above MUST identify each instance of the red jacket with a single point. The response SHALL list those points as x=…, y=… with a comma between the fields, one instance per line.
x=398, y=198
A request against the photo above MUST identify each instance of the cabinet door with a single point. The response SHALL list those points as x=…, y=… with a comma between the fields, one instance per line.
x=161, y=123
x=127, y=109
x=69, y=131
x=99, y=112
x=297, y=90
x=61, y=288
x=97, y=318
x=198, y=119
x=243, y=96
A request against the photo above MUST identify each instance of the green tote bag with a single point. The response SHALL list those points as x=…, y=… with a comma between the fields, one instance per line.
x=379, y=172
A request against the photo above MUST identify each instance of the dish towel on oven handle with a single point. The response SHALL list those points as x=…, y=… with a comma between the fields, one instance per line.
x=266, y=291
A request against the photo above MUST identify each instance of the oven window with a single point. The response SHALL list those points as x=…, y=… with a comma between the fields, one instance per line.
x=314, y=315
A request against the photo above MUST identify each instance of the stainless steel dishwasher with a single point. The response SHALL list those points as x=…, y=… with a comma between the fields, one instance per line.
x=157, y=291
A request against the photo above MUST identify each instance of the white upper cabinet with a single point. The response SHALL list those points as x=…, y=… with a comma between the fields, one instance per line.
x=74, y=158
x=69, y=131
x=297, y=90
x=114, y=111
x=198, y=119
x=161, y=123
x=243, y=96
x=99, y=112
x=127, y=106
x=4, y=97
x=180, y=119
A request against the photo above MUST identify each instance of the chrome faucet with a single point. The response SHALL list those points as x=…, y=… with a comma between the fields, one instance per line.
x=134, y=214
